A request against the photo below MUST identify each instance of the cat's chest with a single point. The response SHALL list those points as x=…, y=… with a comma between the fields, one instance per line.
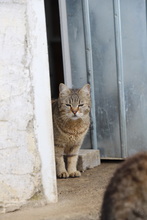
x=73, y=129
x=71, y=136
x=70, y=133
x=73, y=139
x=74, y=133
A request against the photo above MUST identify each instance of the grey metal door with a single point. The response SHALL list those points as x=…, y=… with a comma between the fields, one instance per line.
x=115, y=63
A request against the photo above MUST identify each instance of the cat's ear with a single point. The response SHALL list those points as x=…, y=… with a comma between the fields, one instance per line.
x=63, y=89
x=86, y=89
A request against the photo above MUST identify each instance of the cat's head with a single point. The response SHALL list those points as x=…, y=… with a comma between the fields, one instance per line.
x=74, y=103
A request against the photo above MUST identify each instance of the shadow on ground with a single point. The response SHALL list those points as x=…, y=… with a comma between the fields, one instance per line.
x=79, y=198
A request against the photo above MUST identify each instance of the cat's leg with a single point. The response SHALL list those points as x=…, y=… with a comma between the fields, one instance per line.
x=60, y=164
x=72, y=158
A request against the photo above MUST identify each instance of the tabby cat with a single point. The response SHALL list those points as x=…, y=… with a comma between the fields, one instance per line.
x=126, y=195
x=71, y=122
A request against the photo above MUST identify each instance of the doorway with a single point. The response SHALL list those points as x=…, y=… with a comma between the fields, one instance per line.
x=54, y=45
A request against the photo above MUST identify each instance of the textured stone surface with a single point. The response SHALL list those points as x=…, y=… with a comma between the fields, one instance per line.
x=19, y=158
x=88, y=159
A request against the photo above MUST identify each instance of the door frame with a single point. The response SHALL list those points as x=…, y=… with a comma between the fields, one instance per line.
x=39, y=70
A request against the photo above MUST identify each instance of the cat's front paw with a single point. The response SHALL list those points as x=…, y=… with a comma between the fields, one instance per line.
x=63, y=174
x=75, y=174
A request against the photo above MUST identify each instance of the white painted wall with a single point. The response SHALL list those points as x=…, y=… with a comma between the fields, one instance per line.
x=26, y=153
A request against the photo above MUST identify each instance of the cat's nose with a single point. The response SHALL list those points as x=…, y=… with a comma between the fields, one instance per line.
x=74, y=111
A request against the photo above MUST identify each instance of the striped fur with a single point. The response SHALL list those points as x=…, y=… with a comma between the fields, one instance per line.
x=71, y=122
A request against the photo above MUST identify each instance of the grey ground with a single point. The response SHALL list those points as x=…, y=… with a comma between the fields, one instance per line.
x=79, y=198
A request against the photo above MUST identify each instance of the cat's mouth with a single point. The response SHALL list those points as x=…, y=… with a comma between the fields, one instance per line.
x=74, y=117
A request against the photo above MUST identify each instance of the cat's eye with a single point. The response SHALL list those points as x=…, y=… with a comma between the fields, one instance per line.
x=80, y=105
x=68, y=105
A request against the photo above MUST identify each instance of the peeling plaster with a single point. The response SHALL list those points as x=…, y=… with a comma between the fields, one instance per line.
x=26, y=134
x=20, y=176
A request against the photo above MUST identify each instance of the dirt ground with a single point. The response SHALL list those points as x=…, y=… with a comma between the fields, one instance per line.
x=79, y=198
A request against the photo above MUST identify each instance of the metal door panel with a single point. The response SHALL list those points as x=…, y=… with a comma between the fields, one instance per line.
x=105, y=78
x=134, y=40
x=76, y=42
x=119, y=58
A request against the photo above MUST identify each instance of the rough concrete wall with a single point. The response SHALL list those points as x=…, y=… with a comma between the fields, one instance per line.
x=19, y=159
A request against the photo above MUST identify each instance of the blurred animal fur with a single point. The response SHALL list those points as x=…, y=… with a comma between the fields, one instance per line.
x=126, y=195
x=71, y=122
